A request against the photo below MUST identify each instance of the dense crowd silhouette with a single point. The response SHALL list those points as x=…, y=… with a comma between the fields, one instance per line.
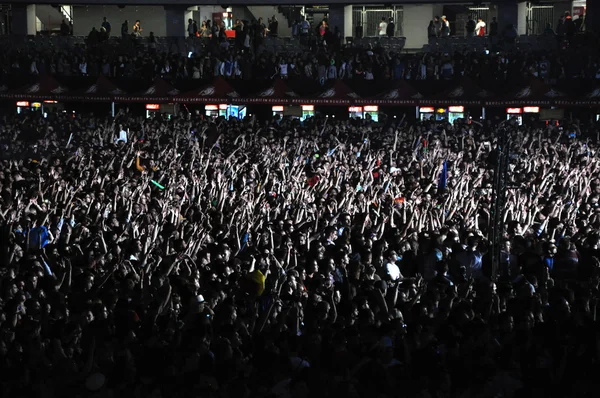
x=238, y=258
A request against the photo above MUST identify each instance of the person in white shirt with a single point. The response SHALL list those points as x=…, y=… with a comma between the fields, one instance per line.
x=382, y=27
x=122, y=135
x=480, y=27
x=83, y=67
x=283, y=69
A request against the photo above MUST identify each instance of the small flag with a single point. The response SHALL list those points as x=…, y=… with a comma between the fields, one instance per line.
x=157, y=184
x=443, y=177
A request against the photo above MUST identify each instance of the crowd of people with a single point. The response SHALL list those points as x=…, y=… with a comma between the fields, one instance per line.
x=246, y=258
x=363, y=64
x=208, y=53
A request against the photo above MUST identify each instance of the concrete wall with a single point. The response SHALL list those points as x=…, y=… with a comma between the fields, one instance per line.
x=152, y=18
x=416, y=20
x=592, y=22
x=24, y=21
x=508, y=13
x=50, y=17
x=175, y=21
x=521, y=18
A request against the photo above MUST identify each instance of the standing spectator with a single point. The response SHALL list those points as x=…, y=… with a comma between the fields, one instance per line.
x=332, y=70
x=470, y=27
x=283, y=68
x=152, y=43
x=480, y=27
x=561, y=29
x=64, y=28
x=273, y=27
x=240, y=34
x=191, y=28
x=125, y=28
x=358, y=31
x=445, y=29
x=304, y=27
x=295, y=28
x=510, y=34
x=137, y=29
x=569, y=25
x=578, y=23
x=383, y=27
x=106, y=26
x=204, y=30
x=431, y=30
x=437, y=22
x=447, y=70
x=493, y=27
x=391, y=28
x=322, y=29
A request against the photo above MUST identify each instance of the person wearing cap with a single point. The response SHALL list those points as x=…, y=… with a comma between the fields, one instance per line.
x=445, y=28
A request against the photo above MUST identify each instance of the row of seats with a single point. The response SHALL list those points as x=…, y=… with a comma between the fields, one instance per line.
x=523, y=42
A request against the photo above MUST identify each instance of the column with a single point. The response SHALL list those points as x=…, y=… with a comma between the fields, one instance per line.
x=416, y=19
x=348, y=30
x=23, y=19
x=508, y=14
x=592, y=16
x=176, y=24
x=340, y=16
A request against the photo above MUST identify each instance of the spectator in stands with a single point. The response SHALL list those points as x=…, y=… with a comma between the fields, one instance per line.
x=304, y=27
x=93, y=37
x=259, y=34
x=295, y=28
x=322, y=29
x=578, y=23
x=137, y=29
x=106, y=26
x=569, y=25
x=493, y=27
x=510, y=34
x=191, y=28
x=152, y=43
x=240, y=33
x=470, y=27
x=274, y=27
x=125, y=29
x=204, y=29
x=391, y=28
x=447, y=69
x=431, y=30
x=561, y=29
x=437, y=22
x=445, y=28
x=64, y=28
x=358, y=31
x=549, y=31
x=480, y=27
x=382, y=27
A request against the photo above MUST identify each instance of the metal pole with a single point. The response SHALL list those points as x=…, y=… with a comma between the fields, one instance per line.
x=112, y=107
x=499, y=195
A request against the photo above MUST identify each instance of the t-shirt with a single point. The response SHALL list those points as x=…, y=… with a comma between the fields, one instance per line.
x=393, y=271
x=382, y=28
x=480, y=28
x=122, y=136
x=305, y=26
